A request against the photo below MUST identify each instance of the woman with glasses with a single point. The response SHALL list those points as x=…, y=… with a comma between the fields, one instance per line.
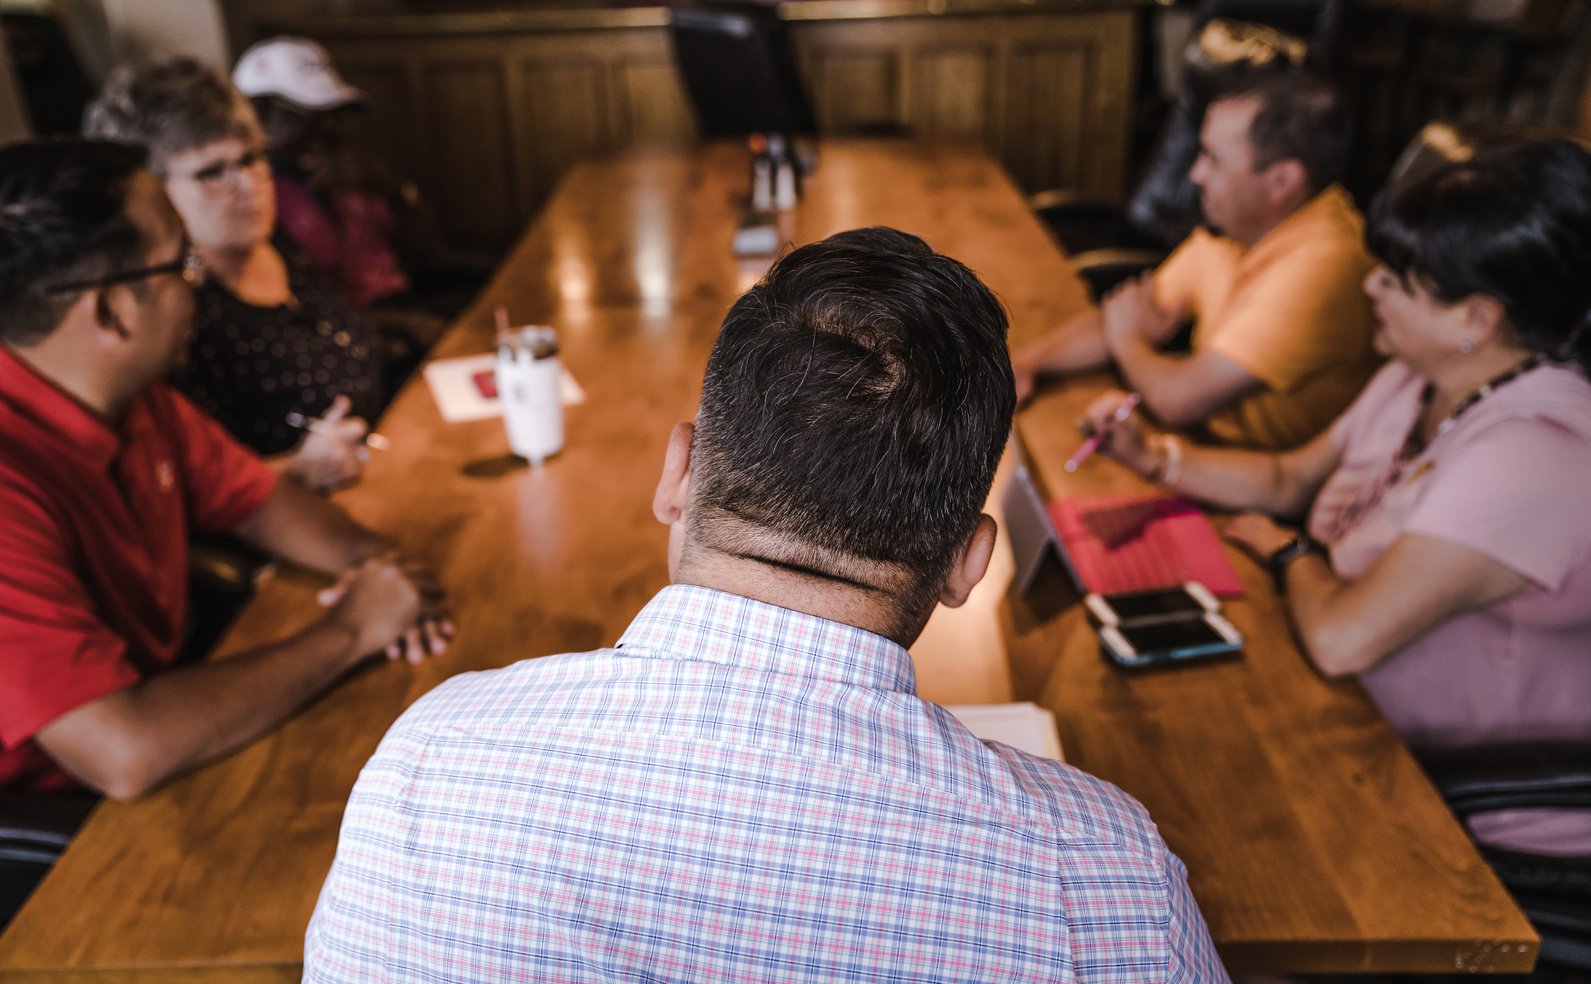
x=1446, y=555
x=276, y=356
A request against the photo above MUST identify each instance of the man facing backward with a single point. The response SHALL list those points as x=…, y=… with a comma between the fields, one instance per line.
x=1282, y=330
x=103, y=472
x=746, y=786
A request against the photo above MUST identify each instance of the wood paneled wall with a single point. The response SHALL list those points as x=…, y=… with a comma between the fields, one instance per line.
x=1048, y=94
x=487, y=120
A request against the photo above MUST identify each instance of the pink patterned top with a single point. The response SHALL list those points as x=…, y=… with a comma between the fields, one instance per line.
x=350, y=240
x=1509, y=480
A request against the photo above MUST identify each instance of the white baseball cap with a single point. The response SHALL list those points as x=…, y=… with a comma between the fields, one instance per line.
x=295, y=69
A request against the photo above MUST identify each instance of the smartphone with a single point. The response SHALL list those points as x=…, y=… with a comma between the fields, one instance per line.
x=1188, y=600
x=1143, y=644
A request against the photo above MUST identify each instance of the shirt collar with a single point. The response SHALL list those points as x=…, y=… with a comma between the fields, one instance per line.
x=56, y=412
x=1328, y=205
x=688, y=622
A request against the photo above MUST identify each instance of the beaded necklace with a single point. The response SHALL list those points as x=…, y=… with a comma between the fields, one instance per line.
x=1414, y=444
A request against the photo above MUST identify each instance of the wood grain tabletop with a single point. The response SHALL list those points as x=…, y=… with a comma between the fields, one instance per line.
x=1312, y=838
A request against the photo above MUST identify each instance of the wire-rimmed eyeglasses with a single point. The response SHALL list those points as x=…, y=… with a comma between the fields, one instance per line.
x=214, y=178
x=190, y=266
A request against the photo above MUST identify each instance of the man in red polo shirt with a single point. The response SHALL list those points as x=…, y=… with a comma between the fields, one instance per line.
x=103, y=469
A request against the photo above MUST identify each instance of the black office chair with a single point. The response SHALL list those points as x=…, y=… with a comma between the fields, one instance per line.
x=54, y=85
x=34, y=830
x=739, y=70
x=1108, y=243
x=1447, y=141
x=1554, y=892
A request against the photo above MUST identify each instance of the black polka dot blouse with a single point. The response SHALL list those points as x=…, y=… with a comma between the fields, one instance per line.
x=250, y=367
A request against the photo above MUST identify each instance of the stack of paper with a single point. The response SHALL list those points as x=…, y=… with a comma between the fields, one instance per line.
x=1026, y=726
x=465, y=388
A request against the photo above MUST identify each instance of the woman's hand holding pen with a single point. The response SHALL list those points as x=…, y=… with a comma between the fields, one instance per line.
x=1120, y=430
x=332, y=453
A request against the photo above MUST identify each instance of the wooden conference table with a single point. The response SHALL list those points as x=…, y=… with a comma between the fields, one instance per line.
x=1312, y=839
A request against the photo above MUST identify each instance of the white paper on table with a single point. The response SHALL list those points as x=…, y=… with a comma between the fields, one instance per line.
x=1024, y=725
x=452, y=383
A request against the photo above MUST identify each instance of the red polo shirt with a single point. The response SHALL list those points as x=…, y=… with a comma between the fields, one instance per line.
x=94, y=547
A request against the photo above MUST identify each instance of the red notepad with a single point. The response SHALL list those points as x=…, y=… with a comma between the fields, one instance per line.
x=486, y=383
x=1129, y=543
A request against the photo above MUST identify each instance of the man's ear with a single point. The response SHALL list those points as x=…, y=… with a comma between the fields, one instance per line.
x=674, y=485
x=1287, y=183
x=98, y=301
x=971, y=563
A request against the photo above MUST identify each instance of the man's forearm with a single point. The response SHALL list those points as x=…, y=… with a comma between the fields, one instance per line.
x=301, y=528
x=1154, y=376
x=128, y=743
x=1077, y=346
x=1180, y=390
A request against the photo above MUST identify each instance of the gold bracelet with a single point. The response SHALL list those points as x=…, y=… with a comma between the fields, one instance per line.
x=1157, y=447
x=1168, y=459
x=1173, y=461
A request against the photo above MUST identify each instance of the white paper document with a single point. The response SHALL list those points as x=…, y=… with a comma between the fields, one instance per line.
x=1025, y=725
x=465, y=387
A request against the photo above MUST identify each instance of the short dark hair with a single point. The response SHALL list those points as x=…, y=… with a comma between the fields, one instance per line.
x=63, y=217
x=170, y=107
x=856, y=404
x=1300, y=118
x=1512, y=223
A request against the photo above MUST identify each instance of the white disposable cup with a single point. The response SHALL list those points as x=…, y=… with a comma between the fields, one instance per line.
x=528, y=386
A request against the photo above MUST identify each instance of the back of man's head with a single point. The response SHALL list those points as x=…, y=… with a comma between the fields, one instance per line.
x=1300, y=118
x=63, y=218
x=856, y=404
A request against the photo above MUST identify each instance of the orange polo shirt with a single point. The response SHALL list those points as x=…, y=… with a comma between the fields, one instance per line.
x=1291, y=311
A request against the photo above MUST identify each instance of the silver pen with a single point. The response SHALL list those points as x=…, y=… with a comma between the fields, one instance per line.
x=319, y=426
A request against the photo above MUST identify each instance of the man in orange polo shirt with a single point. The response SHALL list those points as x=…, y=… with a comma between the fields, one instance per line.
x=1282, y=329
x=104, y=469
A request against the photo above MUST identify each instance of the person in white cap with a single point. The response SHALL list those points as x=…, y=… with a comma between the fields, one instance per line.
x=297, y=70
x=331, y=200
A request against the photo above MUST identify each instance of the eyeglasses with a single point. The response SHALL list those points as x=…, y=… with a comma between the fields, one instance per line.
x=212, y=178
x=190, y=266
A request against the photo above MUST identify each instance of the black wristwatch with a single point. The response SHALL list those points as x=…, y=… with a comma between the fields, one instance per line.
x=1283, y=556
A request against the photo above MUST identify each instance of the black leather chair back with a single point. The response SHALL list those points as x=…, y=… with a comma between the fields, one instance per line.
x=1553, y=891
x=34, y=829
x=739, y=70
x=1316, y=23
x=1446, y=142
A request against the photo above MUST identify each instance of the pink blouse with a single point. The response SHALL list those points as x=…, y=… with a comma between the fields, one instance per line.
x=1511, y=479
x=350, y=242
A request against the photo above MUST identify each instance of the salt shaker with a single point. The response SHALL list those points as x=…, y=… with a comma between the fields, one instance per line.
x=785, y=191
x=528, y=371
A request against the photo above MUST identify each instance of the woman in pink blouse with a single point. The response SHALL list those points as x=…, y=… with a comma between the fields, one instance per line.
x=1446, y=553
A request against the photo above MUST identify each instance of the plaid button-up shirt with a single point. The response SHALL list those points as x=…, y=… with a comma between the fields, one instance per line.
x=736, y=792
